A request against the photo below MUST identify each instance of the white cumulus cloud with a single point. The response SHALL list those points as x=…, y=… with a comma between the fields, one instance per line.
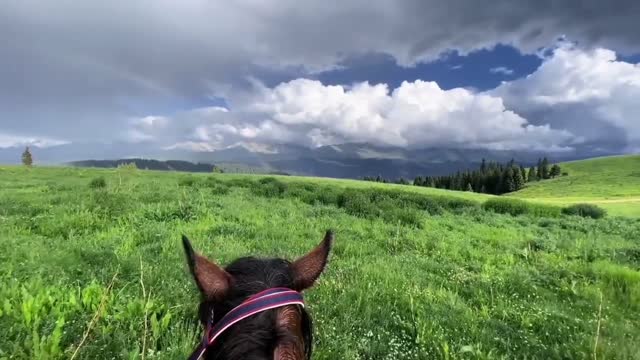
x=416, y=114
x=588, y=92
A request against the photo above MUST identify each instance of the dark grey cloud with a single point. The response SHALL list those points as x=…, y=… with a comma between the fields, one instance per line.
x=74, y=70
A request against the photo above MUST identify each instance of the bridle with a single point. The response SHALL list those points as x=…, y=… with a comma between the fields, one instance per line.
x=269, y=299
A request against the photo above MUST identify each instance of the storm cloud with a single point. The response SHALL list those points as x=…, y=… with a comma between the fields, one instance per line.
x=94, y=71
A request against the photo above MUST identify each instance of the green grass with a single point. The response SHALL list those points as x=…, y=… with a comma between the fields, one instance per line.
x=415, y=273
x=610, y=182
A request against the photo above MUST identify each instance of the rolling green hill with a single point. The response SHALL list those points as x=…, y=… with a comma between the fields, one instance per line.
x=610, y=182
x=415, y=273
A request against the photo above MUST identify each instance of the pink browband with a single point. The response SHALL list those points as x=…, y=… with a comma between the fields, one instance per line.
x=262, y=301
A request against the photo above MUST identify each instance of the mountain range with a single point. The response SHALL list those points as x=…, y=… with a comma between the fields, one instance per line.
x=351, y=160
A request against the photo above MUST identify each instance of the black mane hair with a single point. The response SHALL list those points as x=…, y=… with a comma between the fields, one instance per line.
x=254, y=338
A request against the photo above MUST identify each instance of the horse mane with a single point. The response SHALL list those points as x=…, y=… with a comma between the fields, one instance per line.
x=254, y=338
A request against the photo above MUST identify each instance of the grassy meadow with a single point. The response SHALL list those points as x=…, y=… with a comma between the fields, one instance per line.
x=610, y=182
x=91, y=266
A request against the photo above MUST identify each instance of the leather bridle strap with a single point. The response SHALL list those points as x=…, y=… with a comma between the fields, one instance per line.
x=269, y=299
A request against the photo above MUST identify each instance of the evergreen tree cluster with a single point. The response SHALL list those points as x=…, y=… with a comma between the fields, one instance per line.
x=492, y=177
x=376, y=179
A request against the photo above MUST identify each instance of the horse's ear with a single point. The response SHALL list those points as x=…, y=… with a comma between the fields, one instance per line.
x=211, y=279
x=308, y=268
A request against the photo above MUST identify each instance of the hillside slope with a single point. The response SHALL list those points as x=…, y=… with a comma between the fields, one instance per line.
x=611, y=182
x=415, y=273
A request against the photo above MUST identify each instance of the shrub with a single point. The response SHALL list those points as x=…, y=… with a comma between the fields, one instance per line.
x=128, y=166
x=220, y=190
x=323, y=195
x=357, y=203
x=243, y=182
x=515, y=207
x=110, y=204
x=269, y=187
x=302, y=191
x=98, y=183
x=585, y=210
x=218, y=187
x=405, y=216
x=187, y=181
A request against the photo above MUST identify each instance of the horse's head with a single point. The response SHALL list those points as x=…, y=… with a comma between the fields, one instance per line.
x=281, y=333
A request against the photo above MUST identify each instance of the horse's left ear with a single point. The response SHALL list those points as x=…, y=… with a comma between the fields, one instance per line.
x=212, y=280
x=307, y=269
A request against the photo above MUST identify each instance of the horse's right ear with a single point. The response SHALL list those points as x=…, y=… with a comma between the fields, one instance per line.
x=211, y=279
x=308, y=268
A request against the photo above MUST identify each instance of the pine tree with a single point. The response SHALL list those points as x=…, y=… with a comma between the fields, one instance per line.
x=499, y=184
x=518, y=181
x=533, y=176
x=483, y=189
x=469, y=188
x=483, y=167
x=431, y=182
x=27, y=159
x=508, y=182
x=539, y=170
x=545, y=168
x=555, y=171
x=523, y=173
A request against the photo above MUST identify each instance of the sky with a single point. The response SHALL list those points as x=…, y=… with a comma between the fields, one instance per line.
x=203, y=75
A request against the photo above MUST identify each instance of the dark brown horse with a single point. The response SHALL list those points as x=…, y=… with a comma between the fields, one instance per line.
x=284, y=333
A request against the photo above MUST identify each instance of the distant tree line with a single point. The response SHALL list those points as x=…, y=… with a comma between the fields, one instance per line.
x=150, y=164
x=491, y=178
x=376, y=179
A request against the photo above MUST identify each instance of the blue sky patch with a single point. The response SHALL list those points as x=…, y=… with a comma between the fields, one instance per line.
x=481, y=70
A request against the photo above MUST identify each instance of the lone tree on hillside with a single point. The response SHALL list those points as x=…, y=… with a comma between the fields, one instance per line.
x=27, y=159
x=555, y=171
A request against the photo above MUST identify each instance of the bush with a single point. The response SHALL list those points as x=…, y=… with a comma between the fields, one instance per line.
x=243, y=182
x=217, y=187
x=217, y=170
x=518, y=207
x=110, y=204
x=357, y=203
x=128, y=166
x=405, y=216
x=98, y=183
x=269, y=187
x=585, y=210
x=324, y=195
x=187, y=181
